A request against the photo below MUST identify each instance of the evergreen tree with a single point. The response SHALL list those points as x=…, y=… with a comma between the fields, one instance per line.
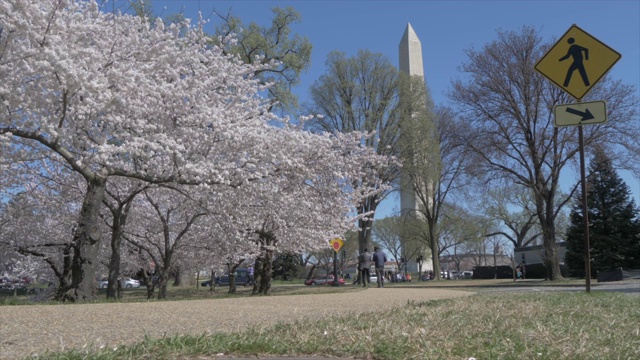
x=285, y=266
x=614, y=227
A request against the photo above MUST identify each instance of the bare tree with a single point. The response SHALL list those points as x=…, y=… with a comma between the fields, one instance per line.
x=434, y=160
x=390, y=234
x=509, y=107
x=513, y=207
x=360, y=94
x=166, y=229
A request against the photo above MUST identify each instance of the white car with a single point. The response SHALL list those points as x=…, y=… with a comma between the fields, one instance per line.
x=452, y=274
x=126, y=283
x=130, y=283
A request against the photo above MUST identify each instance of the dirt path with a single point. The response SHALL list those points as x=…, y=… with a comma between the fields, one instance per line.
x=30, y=330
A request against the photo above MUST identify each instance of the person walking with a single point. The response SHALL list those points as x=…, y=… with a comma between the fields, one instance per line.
x=358, y=275
x=251, y=279
x=365, y=266
x=379, y=259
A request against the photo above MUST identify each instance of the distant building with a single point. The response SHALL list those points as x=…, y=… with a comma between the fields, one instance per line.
x=530, y=255
x=470, y=261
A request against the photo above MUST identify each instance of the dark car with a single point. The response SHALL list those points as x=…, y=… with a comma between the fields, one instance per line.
x=242, y=278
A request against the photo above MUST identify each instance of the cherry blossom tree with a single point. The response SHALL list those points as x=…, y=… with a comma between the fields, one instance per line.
x=111, y=96
x=163, y=229
x=119, y=200
x=36, y=223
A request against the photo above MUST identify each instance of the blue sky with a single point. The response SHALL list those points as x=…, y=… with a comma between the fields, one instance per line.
x=445, y=28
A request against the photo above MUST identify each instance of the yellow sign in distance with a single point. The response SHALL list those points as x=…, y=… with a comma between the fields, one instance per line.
x=577, y=62
x=585, y=113
x=336, y=244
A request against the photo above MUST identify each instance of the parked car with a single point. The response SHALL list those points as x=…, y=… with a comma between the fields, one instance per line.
x=451, y=274
x=130, y=283
x=323, y=280
x=242, y=278
x=126, y=283
x=466, y=274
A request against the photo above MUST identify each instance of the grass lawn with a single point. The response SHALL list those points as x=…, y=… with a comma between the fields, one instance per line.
x=532, y=325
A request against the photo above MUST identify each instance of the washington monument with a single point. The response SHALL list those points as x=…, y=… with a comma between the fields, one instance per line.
x=410, y=63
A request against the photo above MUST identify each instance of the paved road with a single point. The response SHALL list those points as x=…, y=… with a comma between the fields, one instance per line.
x=627, y=287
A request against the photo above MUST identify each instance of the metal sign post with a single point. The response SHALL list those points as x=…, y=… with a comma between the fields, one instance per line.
x=575, y=63
x=336, y=244
x=585, y=216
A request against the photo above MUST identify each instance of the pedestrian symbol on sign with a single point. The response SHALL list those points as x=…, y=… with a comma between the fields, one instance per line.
x=575, y=51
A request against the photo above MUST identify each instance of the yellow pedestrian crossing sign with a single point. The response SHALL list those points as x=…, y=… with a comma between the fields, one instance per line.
x=577, y=62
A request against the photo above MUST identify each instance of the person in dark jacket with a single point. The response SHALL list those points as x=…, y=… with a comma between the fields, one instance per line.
x=365, y=263
x=379, y=258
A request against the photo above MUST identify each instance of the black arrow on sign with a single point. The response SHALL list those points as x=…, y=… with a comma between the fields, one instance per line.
x=585, y=115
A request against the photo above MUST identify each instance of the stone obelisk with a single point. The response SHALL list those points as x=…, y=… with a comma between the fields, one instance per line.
x=411, y=64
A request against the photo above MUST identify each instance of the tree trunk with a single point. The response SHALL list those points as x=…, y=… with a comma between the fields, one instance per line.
x=163, y=280
x=213, y=281
x=435, y=251
x=63, y=276
x=495, y=264
x=86, y=244
x=177, y=281
x=232, y=277
x=148, y=280
x=265, y=265
x=257, y=276
x=364, y=234
x=547, y=220
x=119, y=221
x=232, y=283
x=114, y=268
x=267, y=270
x=551, y=257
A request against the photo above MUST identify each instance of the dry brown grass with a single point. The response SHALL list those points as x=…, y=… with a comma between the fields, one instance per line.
x=486, y=326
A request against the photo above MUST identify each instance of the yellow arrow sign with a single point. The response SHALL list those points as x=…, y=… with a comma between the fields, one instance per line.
x=577, y=62
x=336, y=244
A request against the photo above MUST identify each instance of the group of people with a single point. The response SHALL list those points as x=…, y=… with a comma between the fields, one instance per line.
x=365, y=260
